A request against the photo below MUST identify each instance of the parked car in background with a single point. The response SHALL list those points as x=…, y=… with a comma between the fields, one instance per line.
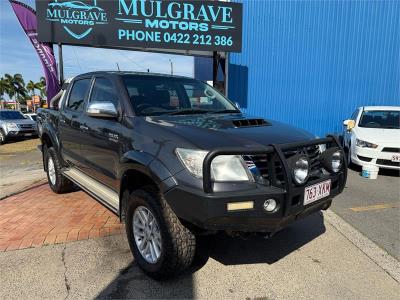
x=372, y=137
x=31, y=116
x=14, y=124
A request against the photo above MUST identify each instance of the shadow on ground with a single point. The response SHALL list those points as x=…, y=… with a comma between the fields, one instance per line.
x=132, y=283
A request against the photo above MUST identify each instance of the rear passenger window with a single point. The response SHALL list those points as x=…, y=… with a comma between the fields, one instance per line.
x=103, y=91
x=77, y=94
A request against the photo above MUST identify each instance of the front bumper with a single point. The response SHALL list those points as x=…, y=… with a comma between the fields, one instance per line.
x=208, y=210
x=375, y=157
x=21, y=133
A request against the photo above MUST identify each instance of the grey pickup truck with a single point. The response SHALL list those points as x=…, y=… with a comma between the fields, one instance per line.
x=176, y=160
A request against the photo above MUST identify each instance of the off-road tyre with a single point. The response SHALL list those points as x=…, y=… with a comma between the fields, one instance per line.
x=62, y=184
x=178, y=243
x=2, y=137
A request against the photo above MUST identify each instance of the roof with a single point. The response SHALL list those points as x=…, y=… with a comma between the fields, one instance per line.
x=381, y=108
x=134, y=73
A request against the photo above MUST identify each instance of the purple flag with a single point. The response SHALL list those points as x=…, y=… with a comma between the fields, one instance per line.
x=27, y=18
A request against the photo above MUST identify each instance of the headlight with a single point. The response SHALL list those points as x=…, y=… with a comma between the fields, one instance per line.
x=332, y=159
x=365, y=144
x=301, y=170
x=12, y=126
x=223, y=167
x=337, y=160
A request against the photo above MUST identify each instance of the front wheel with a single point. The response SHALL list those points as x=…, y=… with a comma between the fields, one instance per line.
x=161, y=245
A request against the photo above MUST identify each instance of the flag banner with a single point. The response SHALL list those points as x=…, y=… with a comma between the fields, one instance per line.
x=27, y=18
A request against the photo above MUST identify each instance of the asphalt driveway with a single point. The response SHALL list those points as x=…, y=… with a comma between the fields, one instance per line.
x=373, y=207
x=21, y=166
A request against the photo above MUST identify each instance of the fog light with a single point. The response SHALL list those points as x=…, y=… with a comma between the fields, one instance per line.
x=337, y=161
x=270, y=205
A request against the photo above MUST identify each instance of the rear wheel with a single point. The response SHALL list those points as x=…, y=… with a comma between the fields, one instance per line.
x=161, y=245
x=57, y=181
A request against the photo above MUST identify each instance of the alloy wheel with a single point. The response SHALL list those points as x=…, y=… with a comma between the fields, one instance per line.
x=147, y=235
x=51, y=170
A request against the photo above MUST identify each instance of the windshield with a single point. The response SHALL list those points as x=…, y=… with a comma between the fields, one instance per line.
x=156, y=95
x=11, y=115
x=380, y=119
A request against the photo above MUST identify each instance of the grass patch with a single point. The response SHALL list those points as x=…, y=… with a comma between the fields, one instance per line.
x=20, y=146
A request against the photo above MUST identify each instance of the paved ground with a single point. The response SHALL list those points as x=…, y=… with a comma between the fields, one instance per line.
x=373, y=207
x=21, y=166
x=40, y=217
x=321, y=257
x=309, y=261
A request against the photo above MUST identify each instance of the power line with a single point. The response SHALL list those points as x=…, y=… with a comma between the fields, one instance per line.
x=127, y=57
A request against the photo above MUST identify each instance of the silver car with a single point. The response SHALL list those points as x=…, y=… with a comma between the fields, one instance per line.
x=14, y=124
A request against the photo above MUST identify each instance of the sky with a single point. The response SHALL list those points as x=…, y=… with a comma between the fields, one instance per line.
x=18, y=56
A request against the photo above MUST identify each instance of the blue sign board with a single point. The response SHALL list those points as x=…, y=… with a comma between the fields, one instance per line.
x=191, y=25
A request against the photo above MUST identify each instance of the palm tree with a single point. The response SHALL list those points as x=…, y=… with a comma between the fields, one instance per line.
x=30, y=86
x=17, y=87
x=4, y=89
x=41, y=86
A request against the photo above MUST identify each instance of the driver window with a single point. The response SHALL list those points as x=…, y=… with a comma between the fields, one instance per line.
x=103, y=91
x=77, y=95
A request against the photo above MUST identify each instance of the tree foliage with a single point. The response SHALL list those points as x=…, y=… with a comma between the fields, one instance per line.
x=14, y=87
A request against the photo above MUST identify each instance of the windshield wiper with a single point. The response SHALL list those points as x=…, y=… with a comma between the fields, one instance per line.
x=222, y=111
x=189, y=111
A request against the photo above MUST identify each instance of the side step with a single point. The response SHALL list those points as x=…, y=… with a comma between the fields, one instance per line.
x=102, y=193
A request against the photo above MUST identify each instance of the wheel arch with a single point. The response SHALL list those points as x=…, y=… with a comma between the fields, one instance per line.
x=142, y=170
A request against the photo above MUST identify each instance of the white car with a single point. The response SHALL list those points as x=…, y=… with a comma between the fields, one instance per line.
x=31, y=116
x=372, y=137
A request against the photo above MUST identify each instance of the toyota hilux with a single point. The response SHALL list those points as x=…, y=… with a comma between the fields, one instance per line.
x=176, y=160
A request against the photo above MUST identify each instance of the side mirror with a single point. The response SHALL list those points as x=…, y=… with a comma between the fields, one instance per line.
x=350, y=124
x=102, y=110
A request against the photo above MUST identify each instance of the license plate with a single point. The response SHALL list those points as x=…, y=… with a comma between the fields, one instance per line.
x=28, y=134
x=396, y=158
x=317, y=191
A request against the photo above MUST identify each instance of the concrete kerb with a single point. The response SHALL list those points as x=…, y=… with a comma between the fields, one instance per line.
x=379, y=256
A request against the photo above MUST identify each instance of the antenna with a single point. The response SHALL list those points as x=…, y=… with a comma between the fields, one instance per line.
x=118, y=67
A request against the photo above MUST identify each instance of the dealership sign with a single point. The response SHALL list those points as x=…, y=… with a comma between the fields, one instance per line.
x=199, y=25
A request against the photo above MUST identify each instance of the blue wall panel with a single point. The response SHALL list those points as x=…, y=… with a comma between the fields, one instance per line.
x=311, y=63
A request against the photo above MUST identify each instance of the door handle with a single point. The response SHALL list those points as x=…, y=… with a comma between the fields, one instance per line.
x=83, y=127
x=62, y=121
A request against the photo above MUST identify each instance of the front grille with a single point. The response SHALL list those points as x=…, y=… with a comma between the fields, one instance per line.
x=391, y=149
x=25, y=126
x=387, y=162
x=270, y=167
x=258, y=166
x=250, y=123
